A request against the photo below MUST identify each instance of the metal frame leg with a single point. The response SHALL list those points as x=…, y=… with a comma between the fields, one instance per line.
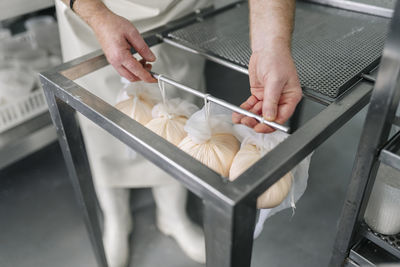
x=75, y=156
x=381, y=113
x=231, y=229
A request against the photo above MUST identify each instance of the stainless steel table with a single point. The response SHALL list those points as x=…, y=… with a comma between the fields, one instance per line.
x=229, y=207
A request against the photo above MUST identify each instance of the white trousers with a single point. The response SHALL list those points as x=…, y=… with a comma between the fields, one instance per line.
x=109, y=160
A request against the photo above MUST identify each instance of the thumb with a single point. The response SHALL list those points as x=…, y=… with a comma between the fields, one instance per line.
x=272, y=94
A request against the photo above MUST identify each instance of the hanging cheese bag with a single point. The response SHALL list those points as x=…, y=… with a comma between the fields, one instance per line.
x=210, y=138
x=137, y=100
x=286, y=191
x=169, y=119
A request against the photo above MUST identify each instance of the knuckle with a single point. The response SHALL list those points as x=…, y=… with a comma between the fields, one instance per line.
x=115, y=57
x=142, y=49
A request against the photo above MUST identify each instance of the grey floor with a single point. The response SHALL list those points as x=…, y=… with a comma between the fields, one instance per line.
x=41, y=225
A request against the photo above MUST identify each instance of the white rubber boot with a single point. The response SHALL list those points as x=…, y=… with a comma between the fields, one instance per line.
x=117, y=224
x=173, y=221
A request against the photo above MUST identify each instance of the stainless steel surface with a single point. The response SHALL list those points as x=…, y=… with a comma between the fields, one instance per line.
x=381, y=114
x=303, y=141
x=389, y=155
x=350, y=263
x=331, y=47
x=379, y=3
x=368, y=78
x=390, y=243
x=389, y=158
x=367, y=253
x=229, y=207
x=75, y=156
x=382, y=8
x=233, y=198
x=26, y=139
x=221, y=102
x=396, y=121
x=229, y=232
x=360, y=260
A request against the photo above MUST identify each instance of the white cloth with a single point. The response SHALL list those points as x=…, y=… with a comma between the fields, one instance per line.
x=110, y=164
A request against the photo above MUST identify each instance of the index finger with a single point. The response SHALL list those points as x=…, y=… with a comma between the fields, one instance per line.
x=247, y=105
x=137, y=42
x=131, y=64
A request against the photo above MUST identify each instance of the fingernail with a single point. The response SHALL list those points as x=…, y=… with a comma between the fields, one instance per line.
x=152, y=57
x=269, y=116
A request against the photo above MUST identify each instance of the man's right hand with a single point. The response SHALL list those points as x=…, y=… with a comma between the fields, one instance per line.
x=117, y=36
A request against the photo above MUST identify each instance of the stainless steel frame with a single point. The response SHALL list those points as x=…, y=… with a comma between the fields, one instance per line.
x=230, y=207
x=357, y=7
x=381, y=115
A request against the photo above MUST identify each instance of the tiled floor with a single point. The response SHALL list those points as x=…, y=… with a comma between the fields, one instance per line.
x=41, y=225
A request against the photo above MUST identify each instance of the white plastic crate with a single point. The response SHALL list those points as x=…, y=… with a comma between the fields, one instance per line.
x=23, y=109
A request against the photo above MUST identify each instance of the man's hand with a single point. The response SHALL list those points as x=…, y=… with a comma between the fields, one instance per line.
x=274, y=86
x=116, y=36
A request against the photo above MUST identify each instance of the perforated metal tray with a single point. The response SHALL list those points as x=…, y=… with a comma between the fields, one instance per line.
x=390, y=243
x=331, y=47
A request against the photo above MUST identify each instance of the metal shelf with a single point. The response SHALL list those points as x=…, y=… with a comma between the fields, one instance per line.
x=9, y=9
x=367, y=253
x=389, y=155
x=390, y=243
x=25, y=139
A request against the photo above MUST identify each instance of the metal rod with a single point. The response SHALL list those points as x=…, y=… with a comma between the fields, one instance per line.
x=357, y=7
x=368, y=78
x=221, y=102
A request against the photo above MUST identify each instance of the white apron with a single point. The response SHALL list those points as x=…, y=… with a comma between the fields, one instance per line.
x=110, y=163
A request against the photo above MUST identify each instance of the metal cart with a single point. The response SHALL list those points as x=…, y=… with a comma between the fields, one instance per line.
x=356, y=244
x=335, y=50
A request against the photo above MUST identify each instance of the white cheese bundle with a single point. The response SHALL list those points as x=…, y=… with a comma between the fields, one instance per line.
x=286, y=191
x=245, y=158
x=169, y=119
x=210, y=139
x=137, y=101
x=253, y=147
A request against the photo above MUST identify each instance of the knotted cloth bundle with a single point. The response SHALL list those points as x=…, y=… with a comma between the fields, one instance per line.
x=137, y=100
x=210, y=138
x=169, y=119
x=253, y=147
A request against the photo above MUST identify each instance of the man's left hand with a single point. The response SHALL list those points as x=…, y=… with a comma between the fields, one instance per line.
x=275, y=88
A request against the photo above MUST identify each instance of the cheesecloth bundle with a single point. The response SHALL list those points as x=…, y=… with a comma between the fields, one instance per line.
x=137, y=100
x=210, y=138
x=299, y=174
x=170, y=116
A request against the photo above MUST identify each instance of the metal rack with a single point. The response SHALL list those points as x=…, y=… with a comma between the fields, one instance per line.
x=229, y=207
x=26, y=138
x=9, y=9
x=26, y=127
x=374, y=149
